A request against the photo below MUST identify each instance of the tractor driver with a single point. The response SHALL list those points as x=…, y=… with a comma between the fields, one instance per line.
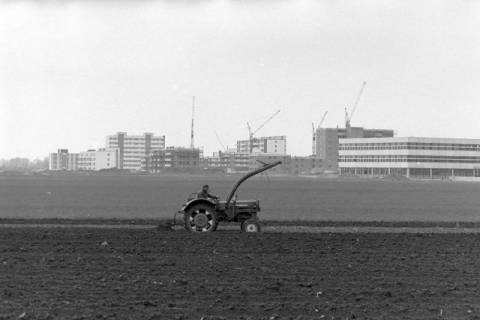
x=203, y=194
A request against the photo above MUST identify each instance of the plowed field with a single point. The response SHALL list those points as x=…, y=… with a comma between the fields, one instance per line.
x=75, y=273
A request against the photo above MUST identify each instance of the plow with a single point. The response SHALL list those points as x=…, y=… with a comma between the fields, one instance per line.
x=199, y=214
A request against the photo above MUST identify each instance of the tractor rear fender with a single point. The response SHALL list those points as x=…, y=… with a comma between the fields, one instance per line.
x=193, y=202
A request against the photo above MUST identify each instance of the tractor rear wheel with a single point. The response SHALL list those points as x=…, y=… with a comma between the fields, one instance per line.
x=201, y=218
x=251, y=225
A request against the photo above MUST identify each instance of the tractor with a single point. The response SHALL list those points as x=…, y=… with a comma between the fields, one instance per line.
x=204, y=214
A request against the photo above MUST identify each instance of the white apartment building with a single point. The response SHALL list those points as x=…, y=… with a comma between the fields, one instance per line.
x=410, y=156
x=98, y=159
x=132, y=149
x=272, y=145
x=62, y=160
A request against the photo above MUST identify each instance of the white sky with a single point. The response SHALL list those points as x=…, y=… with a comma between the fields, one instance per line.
x=72, y=72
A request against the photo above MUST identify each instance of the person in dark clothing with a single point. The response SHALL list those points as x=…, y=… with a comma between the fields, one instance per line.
x=204, y=194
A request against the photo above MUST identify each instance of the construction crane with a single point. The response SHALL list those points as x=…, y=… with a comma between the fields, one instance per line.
x=220, y=140
x=348, y=117
x=323, y=119
x=314, y=144
x=192, y=141
x=251, y=132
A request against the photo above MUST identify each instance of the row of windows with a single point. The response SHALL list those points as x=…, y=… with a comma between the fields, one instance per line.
x=141, y=144
x=135, y=139
x=134, y=154
x=179, y=162
x=130, y=144
x=409, y=146
x=133, y=144
x=426, y=172
x=136, y=149
x=127, y=147
x=409, y=158
x=85, y=160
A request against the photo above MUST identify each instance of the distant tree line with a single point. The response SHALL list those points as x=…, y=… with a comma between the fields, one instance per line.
x=23, y=164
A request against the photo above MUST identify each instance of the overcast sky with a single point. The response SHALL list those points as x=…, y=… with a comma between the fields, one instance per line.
x=72, y=72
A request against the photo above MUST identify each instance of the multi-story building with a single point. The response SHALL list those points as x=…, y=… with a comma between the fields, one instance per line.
x=411, y=156
x=241, y=162
x=274, y=144
x=98, y=159
x=177, y=158
x=87, y=160
x=228, y=161
x=290, y=165
x=305, y=165
x=255, y=160
x=327, y=147
x=62, y=160
x=360, y=132
x=326, y=142
x=133, y=149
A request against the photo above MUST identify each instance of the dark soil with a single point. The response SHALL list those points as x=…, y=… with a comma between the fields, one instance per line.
x=148, y=274
x=306, y=223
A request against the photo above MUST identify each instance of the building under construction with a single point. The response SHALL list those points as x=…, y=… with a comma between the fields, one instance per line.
x=291, y=165
x=274, y=144
x=172, y=159
x=233, y=162
x=228, y=161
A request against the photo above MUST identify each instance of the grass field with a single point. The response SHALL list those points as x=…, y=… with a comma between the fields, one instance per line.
x=282, y=198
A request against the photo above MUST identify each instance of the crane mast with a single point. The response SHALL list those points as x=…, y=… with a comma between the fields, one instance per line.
x=250, y=138
x=192, y=136
x=314, y=144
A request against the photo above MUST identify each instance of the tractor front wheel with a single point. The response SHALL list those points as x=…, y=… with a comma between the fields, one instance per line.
x=201, y=218
x=251, y=225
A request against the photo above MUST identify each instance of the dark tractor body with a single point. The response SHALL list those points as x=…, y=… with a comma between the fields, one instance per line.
x=203, y=215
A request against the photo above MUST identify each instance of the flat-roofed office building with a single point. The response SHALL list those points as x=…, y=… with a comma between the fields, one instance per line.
x=98, y=159
x=132, y=149
x=410, y=157
x=326, y=142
